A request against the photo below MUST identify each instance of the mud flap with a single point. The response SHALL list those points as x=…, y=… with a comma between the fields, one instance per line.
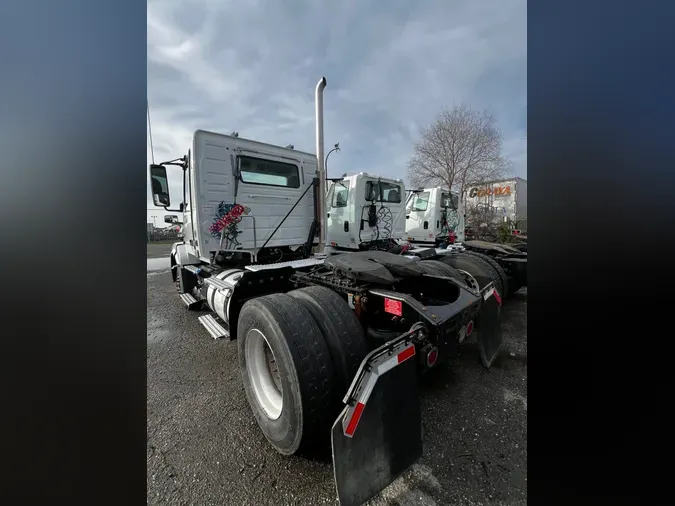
x=488, y=326
x=378, y=435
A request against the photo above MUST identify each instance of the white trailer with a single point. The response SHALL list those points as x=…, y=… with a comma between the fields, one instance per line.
x=507, y=199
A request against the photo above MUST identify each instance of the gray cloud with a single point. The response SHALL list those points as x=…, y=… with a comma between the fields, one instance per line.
x=252, y=67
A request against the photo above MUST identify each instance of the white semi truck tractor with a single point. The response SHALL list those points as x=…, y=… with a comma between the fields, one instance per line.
x=330, y=341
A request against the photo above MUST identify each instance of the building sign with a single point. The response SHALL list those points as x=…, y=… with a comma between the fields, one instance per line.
x=497, y=191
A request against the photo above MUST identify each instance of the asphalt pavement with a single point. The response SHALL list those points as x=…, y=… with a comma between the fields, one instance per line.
x=204, y=447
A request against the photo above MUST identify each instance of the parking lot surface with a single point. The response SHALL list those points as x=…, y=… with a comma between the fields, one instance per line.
x=204, y=447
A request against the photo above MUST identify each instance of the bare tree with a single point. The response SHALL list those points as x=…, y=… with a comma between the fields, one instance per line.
x=462, y=147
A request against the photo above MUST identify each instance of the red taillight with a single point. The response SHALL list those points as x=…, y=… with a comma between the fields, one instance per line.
x=469, y=328
x=394, y=307
x=432, y=357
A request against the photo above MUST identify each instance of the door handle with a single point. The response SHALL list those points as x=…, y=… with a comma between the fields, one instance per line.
x=328, y=215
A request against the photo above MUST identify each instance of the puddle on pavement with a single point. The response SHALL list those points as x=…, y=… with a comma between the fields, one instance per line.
x=157, y=330
x=158, y=264
x=158, y=335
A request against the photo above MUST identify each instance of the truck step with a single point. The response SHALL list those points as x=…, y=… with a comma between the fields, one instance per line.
x=296, y=264
x=189, y=300
x=214, y=328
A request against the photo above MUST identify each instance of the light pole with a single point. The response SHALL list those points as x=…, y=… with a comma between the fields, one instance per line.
x=336, y=148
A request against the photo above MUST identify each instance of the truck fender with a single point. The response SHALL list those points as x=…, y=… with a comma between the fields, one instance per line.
x=181, y=255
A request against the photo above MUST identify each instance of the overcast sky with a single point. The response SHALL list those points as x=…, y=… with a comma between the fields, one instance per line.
x=391, y=66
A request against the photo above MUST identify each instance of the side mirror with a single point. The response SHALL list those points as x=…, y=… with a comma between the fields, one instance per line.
x=160, y=186
x=170, y=218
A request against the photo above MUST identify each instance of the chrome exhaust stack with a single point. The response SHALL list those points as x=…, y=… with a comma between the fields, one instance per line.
x=321, y=169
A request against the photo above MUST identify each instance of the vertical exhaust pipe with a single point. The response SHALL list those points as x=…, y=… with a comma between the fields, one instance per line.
x=320, y=202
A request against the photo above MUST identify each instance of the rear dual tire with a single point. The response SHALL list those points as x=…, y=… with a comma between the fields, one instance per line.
x=316, y=345
x=303, y=374
x=438, y=268
x=496, y=267
x=341, y=331
x=480, y=272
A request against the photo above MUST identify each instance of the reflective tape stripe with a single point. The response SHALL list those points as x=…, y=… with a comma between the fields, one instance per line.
x=354, y=419
x=354, y=413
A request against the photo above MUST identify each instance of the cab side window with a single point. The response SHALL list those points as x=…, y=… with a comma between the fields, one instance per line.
x=380, y=191
x=420, y=201
x=340, y=194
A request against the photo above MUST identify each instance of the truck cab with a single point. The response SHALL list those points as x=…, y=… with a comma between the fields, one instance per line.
x=364, y=208
x=244, y=200
x=431, y=214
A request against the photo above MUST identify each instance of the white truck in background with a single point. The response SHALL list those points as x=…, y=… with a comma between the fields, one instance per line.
x=365, y=209
x=434, y=214
x=431, y=214
x=367, y=212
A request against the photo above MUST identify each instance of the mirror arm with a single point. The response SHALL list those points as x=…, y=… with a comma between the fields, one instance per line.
x=178, y=162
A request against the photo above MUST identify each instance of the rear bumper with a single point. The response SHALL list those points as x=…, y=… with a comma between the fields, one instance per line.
x=442, y=324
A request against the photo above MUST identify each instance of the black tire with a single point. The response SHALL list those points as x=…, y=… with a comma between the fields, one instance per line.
x=438, y=268
x=305, y=371
x=481, y=270
x=341, y=331
x=495, y=265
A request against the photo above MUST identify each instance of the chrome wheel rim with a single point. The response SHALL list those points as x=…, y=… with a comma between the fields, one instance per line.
x=470, y=280
x=263, y=374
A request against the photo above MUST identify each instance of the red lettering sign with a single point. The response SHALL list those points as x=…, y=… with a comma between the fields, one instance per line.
x=484, y=192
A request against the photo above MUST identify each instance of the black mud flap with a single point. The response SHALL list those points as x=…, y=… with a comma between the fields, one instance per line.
x=378, y=435
x=488, y=326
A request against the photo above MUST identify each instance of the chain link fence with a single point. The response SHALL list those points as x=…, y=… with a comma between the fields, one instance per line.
x=173, y=233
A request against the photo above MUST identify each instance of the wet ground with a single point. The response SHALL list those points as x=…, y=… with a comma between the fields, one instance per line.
x=205, y=448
